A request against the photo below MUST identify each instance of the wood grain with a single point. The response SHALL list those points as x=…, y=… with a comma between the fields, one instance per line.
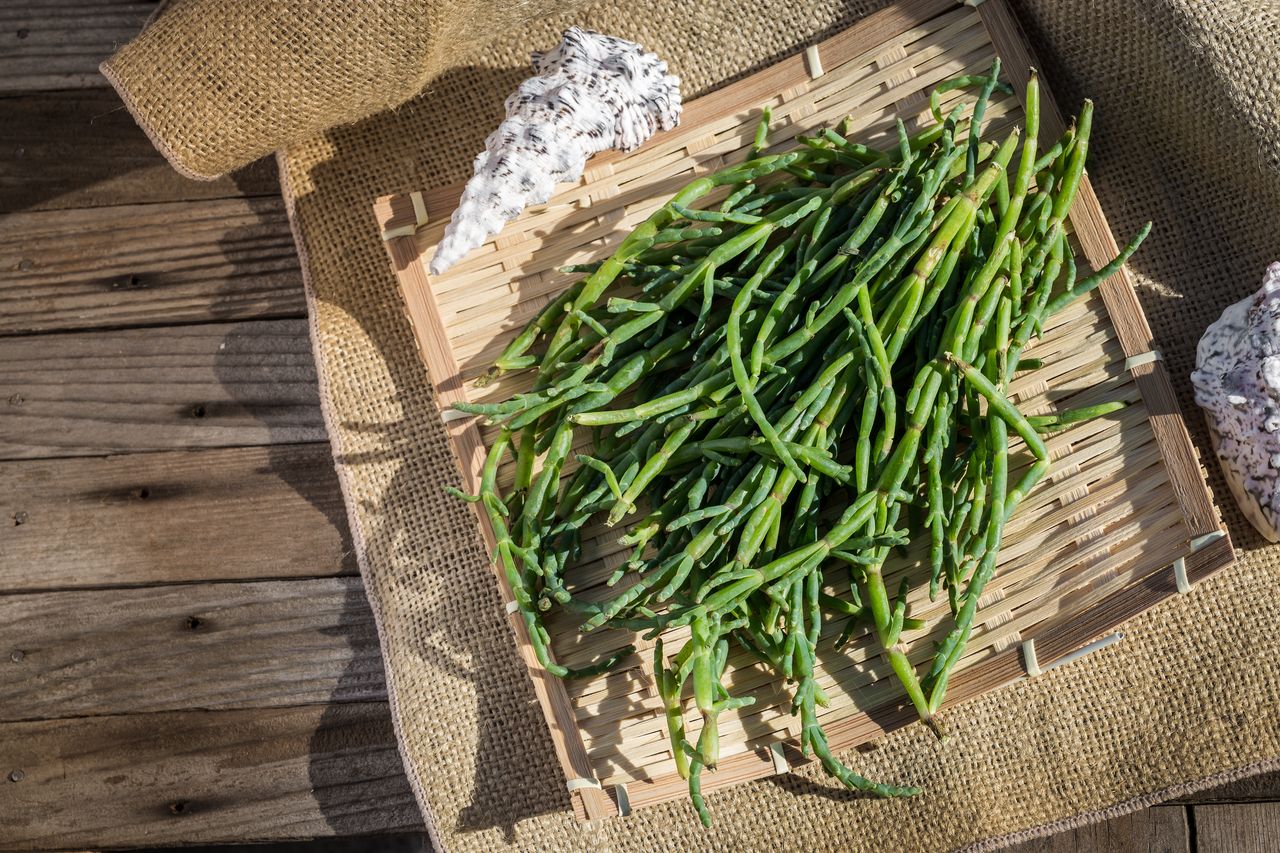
x=81, y=148
x=202, y=776
x=1162, y=829
x=148, y=264
x=209, y=646
x=93, y=393
x=58, y=44
x=1240, y=828
x=197, y=515
x=409, y=842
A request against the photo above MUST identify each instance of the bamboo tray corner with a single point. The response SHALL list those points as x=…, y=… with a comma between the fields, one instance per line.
x=1124, y=521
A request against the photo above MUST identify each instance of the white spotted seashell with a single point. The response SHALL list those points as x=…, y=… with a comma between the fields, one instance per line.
x=1237, y=383
x=591, y=93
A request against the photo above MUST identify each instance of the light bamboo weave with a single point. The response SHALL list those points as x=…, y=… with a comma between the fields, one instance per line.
x=1091, y=546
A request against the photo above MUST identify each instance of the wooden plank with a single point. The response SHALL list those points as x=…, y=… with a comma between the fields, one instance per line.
x=202, y=777
x=1162, y=829
x=81, y=148
x=148, y=518
x=1238, y=828
x=58, y=44
x=223, y=385
x=148, y=264
x=211, y=646
x=414, y=842
x=1264, y=787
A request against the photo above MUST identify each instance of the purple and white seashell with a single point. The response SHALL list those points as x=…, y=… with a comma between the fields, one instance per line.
x=592, y=92
x=1237, y=383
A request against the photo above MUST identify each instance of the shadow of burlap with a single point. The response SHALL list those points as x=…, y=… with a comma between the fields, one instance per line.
x=1186, y=135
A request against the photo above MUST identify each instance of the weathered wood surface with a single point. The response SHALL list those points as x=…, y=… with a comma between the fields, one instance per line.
x=405, y=842
x=178, y=776
x=81, y=148
x=91, y=393
x=1162, y=829
x=208, y=646
x=148, y=265
x=181, y=516
x=58, y=44
x=1239, y=828
x=207, y=776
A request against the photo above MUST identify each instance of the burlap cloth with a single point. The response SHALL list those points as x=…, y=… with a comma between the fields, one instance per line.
x=1188, y=135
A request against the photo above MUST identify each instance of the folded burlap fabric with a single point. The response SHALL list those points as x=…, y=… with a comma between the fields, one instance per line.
x=1189, y=101
x=217, y=85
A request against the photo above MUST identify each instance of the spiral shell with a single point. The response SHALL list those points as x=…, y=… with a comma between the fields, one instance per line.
x=591, y=93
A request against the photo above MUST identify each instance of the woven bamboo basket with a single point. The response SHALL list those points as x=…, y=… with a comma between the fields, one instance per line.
x=1124, y=521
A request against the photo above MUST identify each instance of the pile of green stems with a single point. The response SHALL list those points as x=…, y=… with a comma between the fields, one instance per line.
x=788, y=385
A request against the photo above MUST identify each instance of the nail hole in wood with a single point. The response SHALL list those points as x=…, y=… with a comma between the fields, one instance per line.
x=197, y=411
x=23, y=33
x=194, y=622
x=16, y=399
x=178, y=807
x=143, y=493
x=19, y=518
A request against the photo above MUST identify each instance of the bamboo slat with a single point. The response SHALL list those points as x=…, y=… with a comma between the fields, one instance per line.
x=1090, y=547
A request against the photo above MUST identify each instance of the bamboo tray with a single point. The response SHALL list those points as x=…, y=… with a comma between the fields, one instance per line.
x=1092, y=546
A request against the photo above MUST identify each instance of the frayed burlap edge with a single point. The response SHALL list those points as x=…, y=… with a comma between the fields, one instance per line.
x=148, y=128
x=1145, y=801
x=158, y=141
x=348, y=503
